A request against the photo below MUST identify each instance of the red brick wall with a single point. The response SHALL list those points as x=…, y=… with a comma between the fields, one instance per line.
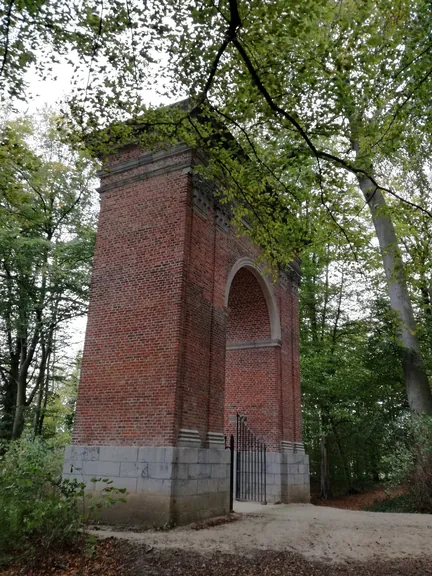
x=248, y=315
x=253, y=389
x=290, y=360
x=128, y=388
x=198, y=324
x=155, y=352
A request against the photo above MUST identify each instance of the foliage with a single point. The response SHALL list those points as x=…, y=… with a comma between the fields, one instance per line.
x=95, y=39
x=326, y=102
x=39, y=509
x=411, y=463
x=47, y=227
x=310, y=114
x=60, y=405
x=352, y=382
x=311, y=91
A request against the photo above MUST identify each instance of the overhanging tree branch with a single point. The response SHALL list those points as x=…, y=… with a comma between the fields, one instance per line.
x=233, y=25
x=255, y=153
x=231, y=37
x=399, y=108
x=7, y=36
x=316, y=152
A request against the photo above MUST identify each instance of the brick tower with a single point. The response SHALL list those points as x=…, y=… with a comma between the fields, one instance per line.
x=185, y=330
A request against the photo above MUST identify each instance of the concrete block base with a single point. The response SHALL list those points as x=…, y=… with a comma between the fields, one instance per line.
x=165, y=485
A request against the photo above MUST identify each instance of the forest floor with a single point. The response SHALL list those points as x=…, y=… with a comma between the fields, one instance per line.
x=362, y=500
x=273, y=540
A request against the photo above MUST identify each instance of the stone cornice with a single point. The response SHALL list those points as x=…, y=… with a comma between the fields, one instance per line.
x=142, y=160
x=184, y=166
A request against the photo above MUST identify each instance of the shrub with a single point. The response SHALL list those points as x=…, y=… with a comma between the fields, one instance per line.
x=411, y=463
x=402, y=503
x=38, y=509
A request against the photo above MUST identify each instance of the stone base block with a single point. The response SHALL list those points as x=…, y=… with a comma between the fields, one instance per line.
x=287, y=477
x=164, y=485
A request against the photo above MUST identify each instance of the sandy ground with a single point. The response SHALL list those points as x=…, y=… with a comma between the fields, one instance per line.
x=317, y=533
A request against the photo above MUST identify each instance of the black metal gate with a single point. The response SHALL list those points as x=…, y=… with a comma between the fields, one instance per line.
x=250, y=464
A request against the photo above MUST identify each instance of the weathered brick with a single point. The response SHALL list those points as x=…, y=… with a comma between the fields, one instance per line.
x=199, y=471
x=154, y=486
x=162, y=470
x=219, y=471
x=186, y=487
x=72, y=467
x=130, y=484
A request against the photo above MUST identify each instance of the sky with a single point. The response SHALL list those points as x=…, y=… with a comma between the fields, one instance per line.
x=53, y=90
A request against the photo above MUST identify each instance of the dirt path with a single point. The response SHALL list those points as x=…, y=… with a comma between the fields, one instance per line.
x=317, y=533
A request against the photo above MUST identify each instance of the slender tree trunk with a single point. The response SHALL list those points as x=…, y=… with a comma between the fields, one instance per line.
x=326, y=297
x=9, y=398
x=25, y=361
x=40, y=384
x=14, y=348
x=324, y=475
x=424, y=289
x=325, y=491
x=45, y=400
x=343, y=458
x=18, y=423
x=416, y=380
x=38, y=409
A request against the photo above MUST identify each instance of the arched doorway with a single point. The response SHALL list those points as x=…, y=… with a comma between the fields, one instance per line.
x=252, y=367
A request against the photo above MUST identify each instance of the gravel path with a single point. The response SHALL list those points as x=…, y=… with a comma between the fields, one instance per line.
x=317, y=533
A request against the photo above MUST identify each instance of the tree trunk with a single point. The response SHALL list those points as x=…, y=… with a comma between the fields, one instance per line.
x=416, y=380
x=9, y=398
x=25, y=360
x=324, y=475
x=18, y=423
x=45, y=401
x=27, y=355
x=343, y=458
x=40, y=384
